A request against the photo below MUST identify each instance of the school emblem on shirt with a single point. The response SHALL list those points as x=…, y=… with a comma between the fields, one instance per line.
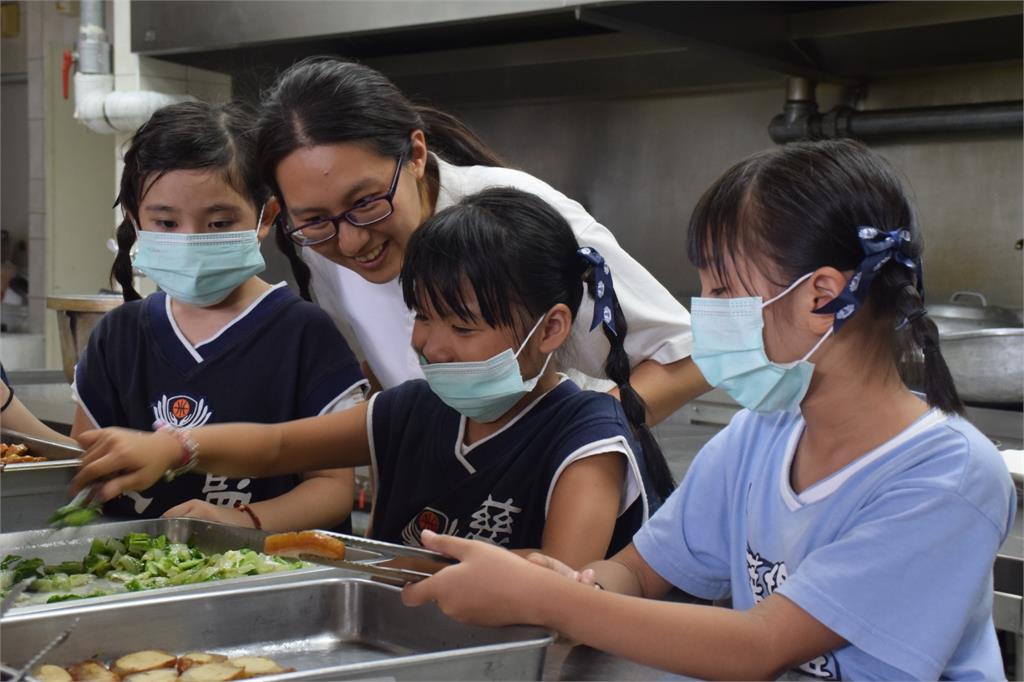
x=765, y=577
x=182, y=411
x=428, y=519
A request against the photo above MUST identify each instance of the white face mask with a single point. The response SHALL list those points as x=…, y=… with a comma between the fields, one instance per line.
x=486, y=389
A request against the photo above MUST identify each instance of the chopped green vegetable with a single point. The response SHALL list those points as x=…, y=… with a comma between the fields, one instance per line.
x=9, y=561
x=75, y=514
x=26, y=568
x=138, y=562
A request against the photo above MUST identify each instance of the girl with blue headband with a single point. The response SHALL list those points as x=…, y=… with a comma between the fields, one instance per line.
x=217, y=343
x=852, y=523
x=493, y=444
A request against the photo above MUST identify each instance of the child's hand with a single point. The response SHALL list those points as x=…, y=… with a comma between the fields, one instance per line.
x=199, y=509
x=125, y=460
x=585, y=576
x=489, y=585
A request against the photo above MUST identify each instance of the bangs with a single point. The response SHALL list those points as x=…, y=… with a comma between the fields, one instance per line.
x=455, y=256
x=727, y=223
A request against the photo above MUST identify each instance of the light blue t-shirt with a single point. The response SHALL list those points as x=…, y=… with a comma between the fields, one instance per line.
x=893, y=552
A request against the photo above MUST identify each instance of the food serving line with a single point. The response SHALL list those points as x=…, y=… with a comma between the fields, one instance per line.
x=313, y=621
x=325, y=622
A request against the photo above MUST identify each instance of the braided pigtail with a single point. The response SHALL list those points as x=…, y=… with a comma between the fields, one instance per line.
x=122, y=271
x=299, y=267
x=920, y=335
x=608, y=313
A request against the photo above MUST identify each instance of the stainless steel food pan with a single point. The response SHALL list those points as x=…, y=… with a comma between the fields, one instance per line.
x=330, y=629
x=71, y=544
x=31, y=492
x=987, y=365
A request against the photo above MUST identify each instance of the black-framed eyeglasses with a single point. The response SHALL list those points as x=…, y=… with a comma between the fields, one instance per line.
x=364, y=213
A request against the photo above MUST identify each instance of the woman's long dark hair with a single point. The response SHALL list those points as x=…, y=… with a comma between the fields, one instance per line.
x=326, y=100
x=520, y=257
x=800, y=207
x=185, y=136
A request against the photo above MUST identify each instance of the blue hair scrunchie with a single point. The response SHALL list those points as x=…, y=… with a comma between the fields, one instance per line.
x=879, y=248
x=604, y=293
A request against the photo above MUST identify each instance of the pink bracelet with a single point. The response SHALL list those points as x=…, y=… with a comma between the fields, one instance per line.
x=189, y=449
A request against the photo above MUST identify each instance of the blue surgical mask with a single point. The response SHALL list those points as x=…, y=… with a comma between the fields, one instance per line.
x=199, y=269
x=483, y=390
x=728, y=348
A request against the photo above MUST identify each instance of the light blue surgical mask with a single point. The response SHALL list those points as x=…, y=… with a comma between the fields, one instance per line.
x=728, y=348
x=482, y=390
x=199, y=269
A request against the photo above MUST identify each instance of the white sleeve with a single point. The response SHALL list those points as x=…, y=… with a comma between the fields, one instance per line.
x=352, y=396
x=632, y=486
x=659, y=325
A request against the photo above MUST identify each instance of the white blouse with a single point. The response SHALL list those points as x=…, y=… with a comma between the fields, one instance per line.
x=376, y=321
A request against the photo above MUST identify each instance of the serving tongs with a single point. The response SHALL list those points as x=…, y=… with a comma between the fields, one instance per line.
x=388, y=552
x=50, y=646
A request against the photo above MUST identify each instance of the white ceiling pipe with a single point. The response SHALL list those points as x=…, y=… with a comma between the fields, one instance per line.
x=105, y=110
x=97, y=104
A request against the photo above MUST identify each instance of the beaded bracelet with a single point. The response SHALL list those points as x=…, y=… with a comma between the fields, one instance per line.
x=189, y=449
x=248, y=510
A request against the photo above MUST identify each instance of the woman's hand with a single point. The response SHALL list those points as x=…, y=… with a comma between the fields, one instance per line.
x=198, y=509
x=489, y=585
x=125, y=460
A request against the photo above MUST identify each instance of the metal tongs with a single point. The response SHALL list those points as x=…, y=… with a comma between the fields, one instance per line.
x=50, y=646
x=388, y=551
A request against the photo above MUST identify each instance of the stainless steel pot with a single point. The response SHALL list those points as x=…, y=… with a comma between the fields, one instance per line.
x=987, y=364
x=77, y=316
x=970, y=311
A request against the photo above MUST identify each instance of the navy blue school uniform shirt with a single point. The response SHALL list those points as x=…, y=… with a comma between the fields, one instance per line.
x=499, y=488
x=281, y=359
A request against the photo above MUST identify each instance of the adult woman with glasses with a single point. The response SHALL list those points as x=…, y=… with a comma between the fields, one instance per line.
x=358, y=168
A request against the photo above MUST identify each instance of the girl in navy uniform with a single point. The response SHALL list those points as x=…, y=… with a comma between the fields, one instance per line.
x=217, y=343
x=493, y=444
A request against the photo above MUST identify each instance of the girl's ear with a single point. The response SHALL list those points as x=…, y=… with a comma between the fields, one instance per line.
x=555, y=329
x=270, y=213
x=826, y=284
x=417, y=153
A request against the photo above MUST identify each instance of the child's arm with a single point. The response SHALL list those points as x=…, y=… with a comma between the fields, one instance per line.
x=583, y=509
x=322, y=500
x=18, y=418
x=494, y=587
x=133, y=460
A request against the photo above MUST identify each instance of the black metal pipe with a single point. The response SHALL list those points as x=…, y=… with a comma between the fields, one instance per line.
x=800, y=119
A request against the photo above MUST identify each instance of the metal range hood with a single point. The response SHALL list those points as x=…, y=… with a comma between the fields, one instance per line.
x=468, y=50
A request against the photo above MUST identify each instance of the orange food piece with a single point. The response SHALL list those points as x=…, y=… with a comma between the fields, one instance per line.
x=17, y=454
x=304, y=542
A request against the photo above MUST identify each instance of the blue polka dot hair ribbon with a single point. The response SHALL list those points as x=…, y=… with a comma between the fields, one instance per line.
x=879, y=248
x=601, y=288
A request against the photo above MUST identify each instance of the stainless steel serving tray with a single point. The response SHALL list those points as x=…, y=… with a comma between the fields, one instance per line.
x=31, y=492
x=71, y=544
x=331, y=629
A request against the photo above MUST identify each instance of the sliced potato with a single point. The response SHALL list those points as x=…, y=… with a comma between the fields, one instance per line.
x=212, y=672
x=92, y=671
x=255, y=666
x=158, y=675
x=51, y=673
x=141, y=661
x=198, y=658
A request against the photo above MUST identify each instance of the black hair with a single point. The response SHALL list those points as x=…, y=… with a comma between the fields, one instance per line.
x=184, y=136
x=327, y=100
x=794, y=209
x=520, y=257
